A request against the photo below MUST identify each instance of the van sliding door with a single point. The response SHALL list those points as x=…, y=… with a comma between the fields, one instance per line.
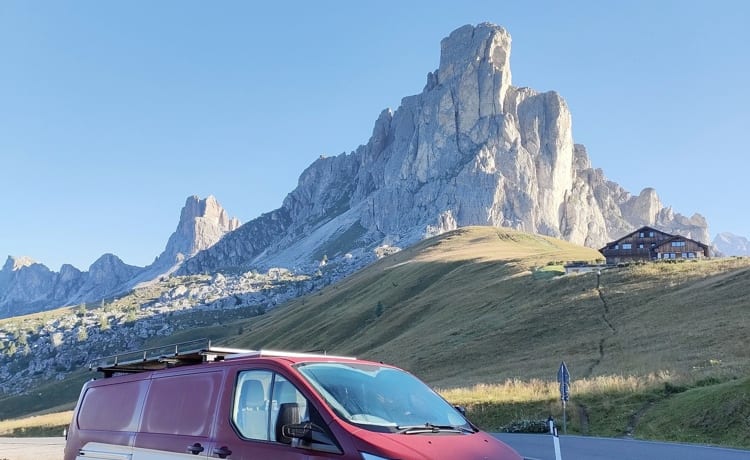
x=179, y=415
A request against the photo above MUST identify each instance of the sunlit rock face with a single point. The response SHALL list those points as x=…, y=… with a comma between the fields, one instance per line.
x=470, y=149
x=203, y=222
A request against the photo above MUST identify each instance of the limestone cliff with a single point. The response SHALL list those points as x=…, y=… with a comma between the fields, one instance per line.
x=470, y=149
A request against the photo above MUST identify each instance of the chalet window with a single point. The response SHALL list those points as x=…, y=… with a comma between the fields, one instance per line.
x=617, y=246
x=627, y=246
x=640, y=246
x=642, y=235
x=650, y=234
x=678, y=243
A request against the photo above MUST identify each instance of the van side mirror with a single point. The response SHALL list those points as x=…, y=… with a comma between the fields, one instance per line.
x=307, y=435
x=288, y=416
x=300, y=431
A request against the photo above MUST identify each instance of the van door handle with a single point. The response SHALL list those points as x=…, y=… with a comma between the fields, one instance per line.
x=196, y=448
x=223, y=452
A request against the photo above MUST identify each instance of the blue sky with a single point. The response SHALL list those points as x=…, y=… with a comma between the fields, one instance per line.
x=113, y=113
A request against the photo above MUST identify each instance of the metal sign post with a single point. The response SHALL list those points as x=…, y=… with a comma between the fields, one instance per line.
x=563, y=378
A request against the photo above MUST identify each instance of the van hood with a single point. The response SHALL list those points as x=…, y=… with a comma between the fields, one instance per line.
x=435, y=446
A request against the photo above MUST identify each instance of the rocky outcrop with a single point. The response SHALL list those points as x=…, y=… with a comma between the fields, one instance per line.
x=107, y=276
x=24, y=282
x=203, y=222
x=240, y=246
x=471, y=149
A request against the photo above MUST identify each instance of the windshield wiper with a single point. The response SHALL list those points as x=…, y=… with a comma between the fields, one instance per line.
x=430, y=428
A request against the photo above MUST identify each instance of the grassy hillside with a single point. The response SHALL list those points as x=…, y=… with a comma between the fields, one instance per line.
x=480, y=307
x=717, y=413
x=446, y=309
x=471, y=306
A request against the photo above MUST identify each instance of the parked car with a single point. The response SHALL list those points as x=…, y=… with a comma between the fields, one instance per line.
x=240, y=404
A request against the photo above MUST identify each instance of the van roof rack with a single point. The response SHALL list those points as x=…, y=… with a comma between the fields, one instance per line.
x=184, y=354
x=284, y=354
x=178, y=354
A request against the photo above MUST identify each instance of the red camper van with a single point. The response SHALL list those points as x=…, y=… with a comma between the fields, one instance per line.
x=209, y=402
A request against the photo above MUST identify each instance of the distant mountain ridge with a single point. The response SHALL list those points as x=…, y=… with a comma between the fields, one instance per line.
x=730, y=244
x=27, y=286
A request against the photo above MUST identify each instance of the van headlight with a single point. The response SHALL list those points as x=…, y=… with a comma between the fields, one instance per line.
x=366, y=456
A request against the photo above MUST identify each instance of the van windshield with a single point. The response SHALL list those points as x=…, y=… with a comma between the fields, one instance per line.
x=383, y=399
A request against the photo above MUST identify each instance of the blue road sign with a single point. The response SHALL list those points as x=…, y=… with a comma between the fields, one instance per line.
x=563, y=378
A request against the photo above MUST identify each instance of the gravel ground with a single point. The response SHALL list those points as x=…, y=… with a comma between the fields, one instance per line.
x=31, y=448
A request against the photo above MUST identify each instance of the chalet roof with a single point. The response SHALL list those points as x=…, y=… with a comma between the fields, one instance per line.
x=645, y=228
x=680, y=237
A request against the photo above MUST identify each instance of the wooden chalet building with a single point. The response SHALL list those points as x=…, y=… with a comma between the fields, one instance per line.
x=647, y=243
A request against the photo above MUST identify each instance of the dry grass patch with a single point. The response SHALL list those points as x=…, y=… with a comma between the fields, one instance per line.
x=37, y=425
x=535, y=390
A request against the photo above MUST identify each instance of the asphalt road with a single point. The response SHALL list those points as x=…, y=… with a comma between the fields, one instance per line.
x=32, y=448
x=540, y=447
x=531, y=446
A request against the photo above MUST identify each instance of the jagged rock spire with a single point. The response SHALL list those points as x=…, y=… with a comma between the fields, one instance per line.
x=202, y=223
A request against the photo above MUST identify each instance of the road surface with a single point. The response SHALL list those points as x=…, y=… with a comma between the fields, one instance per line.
x=531, y=446
x=32, y=448
x=540, y=447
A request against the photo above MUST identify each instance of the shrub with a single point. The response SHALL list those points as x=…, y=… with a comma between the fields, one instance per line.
x=708, y=381
x=672, y=389
x=526, y=426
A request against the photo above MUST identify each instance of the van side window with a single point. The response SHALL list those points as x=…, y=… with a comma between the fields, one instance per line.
x=250, y=409
x=263, y=402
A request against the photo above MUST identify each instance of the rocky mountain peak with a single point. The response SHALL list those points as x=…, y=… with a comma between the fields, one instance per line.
x=202, y=223
x=486, y=44
x=13, y=264
x=730, y=244
x=206, y=210
x=470, y=149
x=644, y=208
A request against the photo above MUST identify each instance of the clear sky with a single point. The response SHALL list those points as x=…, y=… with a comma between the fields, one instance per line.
x=113, y=113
